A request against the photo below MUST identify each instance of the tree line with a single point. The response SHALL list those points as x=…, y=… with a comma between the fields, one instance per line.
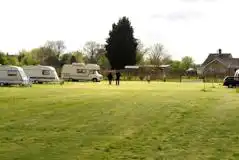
x=121, y=49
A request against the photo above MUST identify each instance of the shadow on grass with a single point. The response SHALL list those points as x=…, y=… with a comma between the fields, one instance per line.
x=206, y=90
x=237, y=90
x=15, y=86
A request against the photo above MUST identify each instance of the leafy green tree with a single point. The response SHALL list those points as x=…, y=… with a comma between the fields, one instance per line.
x=176, y=67
x=41, y=55
x=79, y=56
x=187, y=62
x=121, y=45
x=21, y=55
x=86, y=59
x=12, y=60
x=139, y=58
x=52, y=61
x=73, y=59
x=103, y=62
x=38, y=54
x=47, y=56
x=3, y=58
x=101, y=52
x=28, y=60
x=65, y=58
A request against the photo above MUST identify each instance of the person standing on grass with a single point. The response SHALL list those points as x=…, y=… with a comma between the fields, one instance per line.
x=118, y=78
x=148, y=78
x=164, y=77
x=110, y=78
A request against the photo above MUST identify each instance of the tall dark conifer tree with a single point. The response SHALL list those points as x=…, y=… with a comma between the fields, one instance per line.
x=121, y=45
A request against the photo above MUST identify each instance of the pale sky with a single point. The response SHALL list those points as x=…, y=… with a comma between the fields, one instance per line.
x=185, y=27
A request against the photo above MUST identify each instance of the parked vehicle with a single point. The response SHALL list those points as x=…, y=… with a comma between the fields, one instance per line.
x=231, y=81
x=236, y=75
x=41, y=74
x=81, y=72
x=13, y=75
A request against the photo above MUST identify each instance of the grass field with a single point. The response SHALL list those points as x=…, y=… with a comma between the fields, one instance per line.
x=133, y=121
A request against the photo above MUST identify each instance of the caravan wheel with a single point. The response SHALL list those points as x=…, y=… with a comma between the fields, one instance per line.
x=94, y=80
x=1, y=84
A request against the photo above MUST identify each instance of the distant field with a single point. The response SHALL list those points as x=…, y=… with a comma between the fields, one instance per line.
x=133, y=121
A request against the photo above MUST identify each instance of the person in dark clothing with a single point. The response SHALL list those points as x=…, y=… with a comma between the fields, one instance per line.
x=118, y=78
x=148, y=78
x=110, y=78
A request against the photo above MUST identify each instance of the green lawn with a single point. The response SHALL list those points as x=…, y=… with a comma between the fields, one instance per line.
x=133, y=121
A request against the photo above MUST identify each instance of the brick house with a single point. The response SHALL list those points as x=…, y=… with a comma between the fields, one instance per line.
x=219, y=65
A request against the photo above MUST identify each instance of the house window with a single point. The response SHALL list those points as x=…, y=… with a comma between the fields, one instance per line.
x=80, y=71
x=12, y=73
x=45, y=72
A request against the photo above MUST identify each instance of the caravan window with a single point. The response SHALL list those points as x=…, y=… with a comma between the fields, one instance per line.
x=80, y=71
x=12, y=73
x=92, y=72
x=45, y=72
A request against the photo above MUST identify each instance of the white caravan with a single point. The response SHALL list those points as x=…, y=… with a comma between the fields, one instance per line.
x=13, y=75
x=81, y=72
x=41, y=74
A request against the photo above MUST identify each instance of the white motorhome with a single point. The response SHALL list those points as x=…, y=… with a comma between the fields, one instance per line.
x=81, y=72
x=41, y=74
x=236, y=75
x=13, y=75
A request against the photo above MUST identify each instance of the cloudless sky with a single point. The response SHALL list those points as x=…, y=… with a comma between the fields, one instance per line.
x=185, y=27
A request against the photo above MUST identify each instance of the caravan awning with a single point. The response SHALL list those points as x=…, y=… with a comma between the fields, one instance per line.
x=146, y=66
x=155, y=66
x=131, y=67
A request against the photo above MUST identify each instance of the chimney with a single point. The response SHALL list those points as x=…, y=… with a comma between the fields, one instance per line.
x=220, y=51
